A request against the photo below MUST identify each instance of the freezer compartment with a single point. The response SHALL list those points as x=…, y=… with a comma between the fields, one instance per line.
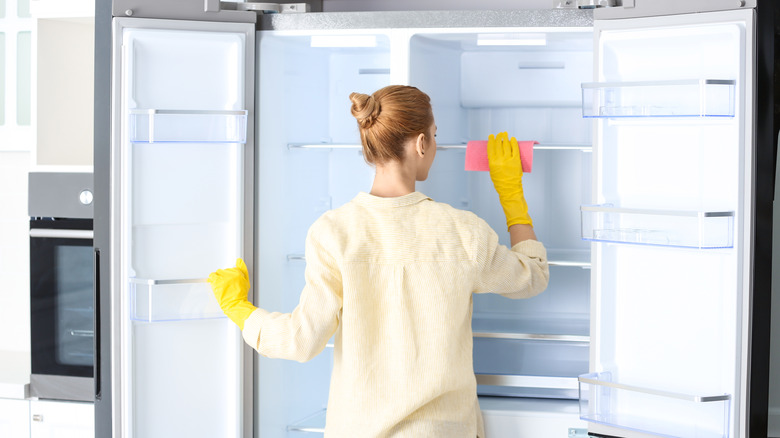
x=689, y=229
x=172, y=300
x=681, y=98
x=192, y=126
x=673, y=414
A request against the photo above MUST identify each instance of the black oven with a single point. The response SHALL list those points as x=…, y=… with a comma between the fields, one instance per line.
x=61, y=286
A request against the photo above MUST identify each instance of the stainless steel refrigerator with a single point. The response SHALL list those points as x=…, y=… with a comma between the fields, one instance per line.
x=221, y=132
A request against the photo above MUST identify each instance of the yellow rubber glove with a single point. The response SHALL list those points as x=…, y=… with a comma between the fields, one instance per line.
x=506, y=171
x=231, y=287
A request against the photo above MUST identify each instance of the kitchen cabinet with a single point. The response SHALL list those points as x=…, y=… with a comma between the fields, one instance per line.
x=64, y=86
x=49, y=419
x=14, y=418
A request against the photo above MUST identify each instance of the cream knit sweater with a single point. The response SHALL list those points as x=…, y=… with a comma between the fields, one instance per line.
x=393, y=279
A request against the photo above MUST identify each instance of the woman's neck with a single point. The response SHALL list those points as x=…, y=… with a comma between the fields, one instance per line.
x=394, y=179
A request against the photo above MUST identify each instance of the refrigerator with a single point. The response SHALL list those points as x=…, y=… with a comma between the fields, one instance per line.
x=225, y=132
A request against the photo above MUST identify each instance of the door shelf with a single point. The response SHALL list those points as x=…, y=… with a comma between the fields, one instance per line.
x=187, y=126
x=654, y=411
x=683, y=98
x=172, y=300
x=675, y=228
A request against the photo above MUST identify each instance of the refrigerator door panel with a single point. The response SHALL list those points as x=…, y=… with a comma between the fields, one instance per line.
x=180, y=131
x=669, y=292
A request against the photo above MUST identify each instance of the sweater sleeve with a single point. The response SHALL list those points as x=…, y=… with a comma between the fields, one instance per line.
x=519, y=272
x=302, y=334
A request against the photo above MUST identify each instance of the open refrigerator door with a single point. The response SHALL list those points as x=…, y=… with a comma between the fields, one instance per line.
x=670, y=221
x=182, y=179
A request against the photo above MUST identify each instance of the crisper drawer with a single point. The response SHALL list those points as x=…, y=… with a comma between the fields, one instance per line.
x=542, y=367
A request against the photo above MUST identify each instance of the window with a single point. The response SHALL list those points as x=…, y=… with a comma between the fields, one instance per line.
x=16, y=75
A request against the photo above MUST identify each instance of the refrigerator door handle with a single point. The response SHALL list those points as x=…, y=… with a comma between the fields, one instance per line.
x=96, y=328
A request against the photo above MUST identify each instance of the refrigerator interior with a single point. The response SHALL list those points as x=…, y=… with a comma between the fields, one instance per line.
x=309, y=161
x=670, y=103
x=183, y=128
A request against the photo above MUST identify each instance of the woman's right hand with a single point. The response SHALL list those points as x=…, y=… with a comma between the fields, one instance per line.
x=506, y=172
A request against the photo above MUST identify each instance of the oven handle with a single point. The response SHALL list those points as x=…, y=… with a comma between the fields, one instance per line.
x=96, y=328
x=52, y=233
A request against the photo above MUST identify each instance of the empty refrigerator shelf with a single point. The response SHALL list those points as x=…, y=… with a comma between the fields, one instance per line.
x=504, y=406
x=668, y=413
x=173, y=281
x=571, y=258
x=533, y=337
x=153, y=300
x=189, y=126
x=556, y=258
x=461, y=146
x=681, y=98
x=314, y=423
x=539, y=382
x=674, y=228
x=567, y=328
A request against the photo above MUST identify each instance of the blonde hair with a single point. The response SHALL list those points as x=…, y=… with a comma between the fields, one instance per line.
x=389, y=118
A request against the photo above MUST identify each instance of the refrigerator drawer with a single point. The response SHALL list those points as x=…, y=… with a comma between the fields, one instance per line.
x=673, y=414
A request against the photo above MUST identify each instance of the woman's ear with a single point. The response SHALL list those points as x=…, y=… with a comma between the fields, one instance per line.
x=420, y=145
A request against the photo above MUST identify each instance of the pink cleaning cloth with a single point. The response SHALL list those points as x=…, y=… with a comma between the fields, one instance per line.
x=476, y=155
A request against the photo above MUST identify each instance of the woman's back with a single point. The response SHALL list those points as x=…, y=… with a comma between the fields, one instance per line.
x=403, y=349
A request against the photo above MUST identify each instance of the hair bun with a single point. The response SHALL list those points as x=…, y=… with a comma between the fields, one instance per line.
x=365, y=108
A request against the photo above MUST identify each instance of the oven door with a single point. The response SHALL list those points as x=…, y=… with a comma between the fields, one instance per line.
x=61, y=308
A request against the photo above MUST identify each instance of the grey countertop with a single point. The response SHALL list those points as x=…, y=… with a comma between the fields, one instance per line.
x=14, y=374
x=427, y=19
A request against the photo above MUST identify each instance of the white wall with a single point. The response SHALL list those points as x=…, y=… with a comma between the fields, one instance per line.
x=14, y=252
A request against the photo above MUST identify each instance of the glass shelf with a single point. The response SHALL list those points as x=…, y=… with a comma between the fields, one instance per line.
x=188, y=126
x=686, y=229
x=172, y=300
x=314, y=423
x=536, y=382
x=683, y=98
x=574, y=258
x=544, y=328
x=667, y=413
x=457, y=146
x=571, y=258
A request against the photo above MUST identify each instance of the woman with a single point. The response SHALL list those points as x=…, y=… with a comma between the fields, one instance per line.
x=391, y=274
